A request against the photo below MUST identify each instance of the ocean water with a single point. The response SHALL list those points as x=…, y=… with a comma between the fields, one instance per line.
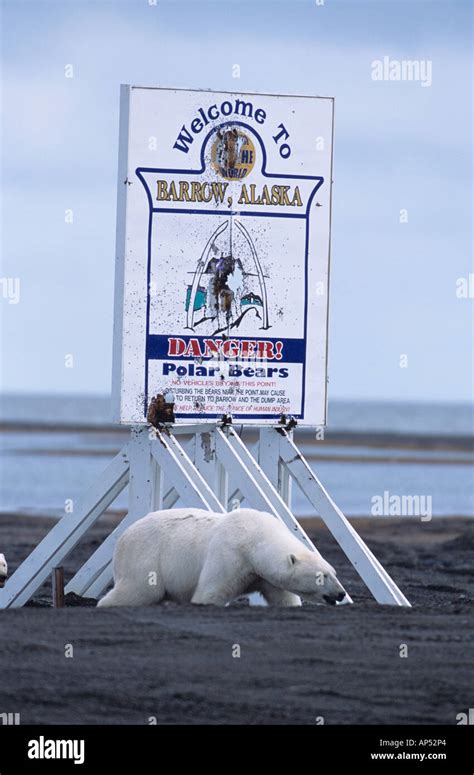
x=54, y=447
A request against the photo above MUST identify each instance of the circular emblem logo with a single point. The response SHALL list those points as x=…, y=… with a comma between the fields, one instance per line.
x=232, y=153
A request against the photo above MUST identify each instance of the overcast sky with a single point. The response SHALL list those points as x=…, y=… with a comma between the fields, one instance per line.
x=398, y=145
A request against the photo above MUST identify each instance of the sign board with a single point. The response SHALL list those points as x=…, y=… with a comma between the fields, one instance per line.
x=223, y=231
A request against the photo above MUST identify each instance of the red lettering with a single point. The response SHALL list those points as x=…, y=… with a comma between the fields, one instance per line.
x=176, y=346
x=211, y=347
x=247, y=348
x=230, y=348
x=193, y=350
x=265, y=350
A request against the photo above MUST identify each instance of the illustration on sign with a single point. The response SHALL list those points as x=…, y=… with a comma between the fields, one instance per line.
x=220, y=286
x=228, y=261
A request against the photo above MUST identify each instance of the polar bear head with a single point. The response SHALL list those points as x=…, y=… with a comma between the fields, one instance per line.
x=309, y=575
x=3, y=570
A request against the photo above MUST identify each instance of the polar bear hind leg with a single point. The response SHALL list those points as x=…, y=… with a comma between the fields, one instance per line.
x=148, y=592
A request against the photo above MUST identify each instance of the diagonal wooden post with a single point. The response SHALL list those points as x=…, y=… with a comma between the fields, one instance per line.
x=366, y=564
x=66, y=534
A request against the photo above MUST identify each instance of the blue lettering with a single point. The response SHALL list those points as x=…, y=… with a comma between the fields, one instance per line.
x=184, y=139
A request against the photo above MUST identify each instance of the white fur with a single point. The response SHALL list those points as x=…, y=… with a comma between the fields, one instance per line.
x=3, y=570
x=197, y=556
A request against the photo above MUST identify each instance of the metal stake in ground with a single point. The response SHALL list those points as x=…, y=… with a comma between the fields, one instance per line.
x=58, y=587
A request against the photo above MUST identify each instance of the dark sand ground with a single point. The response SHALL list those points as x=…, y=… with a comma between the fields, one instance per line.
x=175, y=663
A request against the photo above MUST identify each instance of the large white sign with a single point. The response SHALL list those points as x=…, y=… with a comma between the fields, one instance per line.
x=224, y=211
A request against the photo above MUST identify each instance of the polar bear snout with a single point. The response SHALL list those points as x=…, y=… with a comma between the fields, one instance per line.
x=3, y=570
x=314, y=579
x=335, y=598
x=332, y=591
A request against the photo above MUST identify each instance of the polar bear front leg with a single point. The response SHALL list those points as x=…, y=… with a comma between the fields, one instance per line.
x=278, y=597
x=219, y=582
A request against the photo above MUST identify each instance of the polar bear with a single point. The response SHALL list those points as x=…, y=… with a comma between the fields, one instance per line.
x=3, y=570
x=207, y=558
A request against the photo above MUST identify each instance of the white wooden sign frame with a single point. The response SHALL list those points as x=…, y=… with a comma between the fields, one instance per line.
x=211, y=469
x=276, y=358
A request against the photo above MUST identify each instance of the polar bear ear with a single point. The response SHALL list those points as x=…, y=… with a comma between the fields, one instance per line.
x=292, y=559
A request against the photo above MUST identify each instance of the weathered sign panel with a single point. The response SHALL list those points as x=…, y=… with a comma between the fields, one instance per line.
x=223, y=231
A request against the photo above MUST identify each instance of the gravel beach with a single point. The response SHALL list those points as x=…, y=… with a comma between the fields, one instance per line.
x=312, y=665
